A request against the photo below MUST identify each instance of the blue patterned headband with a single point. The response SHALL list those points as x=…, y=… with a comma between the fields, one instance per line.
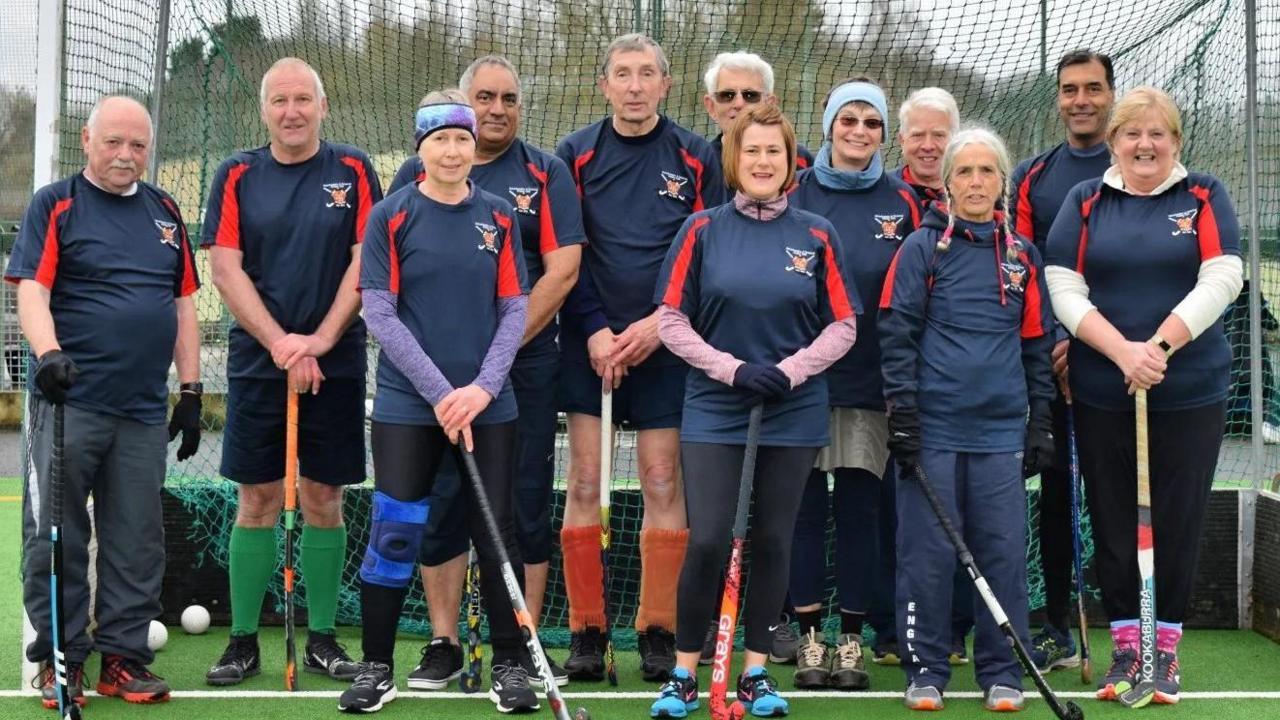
x=439, y=116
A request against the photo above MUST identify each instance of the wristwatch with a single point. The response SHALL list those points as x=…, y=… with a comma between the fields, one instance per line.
x=194, y=388
x=1163, y=344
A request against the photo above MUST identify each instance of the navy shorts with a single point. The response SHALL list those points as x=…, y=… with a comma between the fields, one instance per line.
x=446, y=534
x=330, y=432
x=649, y=397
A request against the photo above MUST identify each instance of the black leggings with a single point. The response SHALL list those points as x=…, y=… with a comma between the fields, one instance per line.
x=405, y=460
x=1183, y=453
x=711, y=475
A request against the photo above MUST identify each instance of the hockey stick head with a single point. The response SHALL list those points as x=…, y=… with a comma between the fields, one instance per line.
x=1139, y=695
x=1072, y=711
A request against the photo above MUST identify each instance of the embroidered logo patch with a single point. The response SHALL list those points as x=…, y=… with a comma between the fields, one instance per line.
x=801, y=261
x=168, y=232
x=672, y=184
x=1015, y=274
x=1184, y=222
x=337, y=194
x=888, y=226
x=489, y=236
x=524, y=199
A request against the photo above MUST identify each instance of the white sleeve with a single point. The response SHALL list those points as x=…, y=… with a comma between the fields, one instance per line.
x=1069, y=294
x=1217, y=285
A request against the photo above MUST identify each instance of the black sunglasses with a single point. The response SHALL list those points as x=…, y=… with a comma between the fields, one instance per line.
x=727, y=96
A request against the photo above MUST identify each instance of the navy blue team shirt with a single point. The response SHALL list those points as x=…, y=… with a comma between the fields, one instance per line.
x=1140, y=256
x=296, y=224
x=925, y=195
x=1041, y=183
x=968, y=337
x=538, y=184
x=759, y=291
x=448, y=266
x=872, y=224
x=113, y=265
x=636, y=192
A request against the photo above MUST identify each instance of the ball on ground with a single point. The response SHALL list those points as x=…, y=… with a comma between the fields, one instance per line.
x=157, y=635
x=195, y=620
x=737, y=710
x=581, y=714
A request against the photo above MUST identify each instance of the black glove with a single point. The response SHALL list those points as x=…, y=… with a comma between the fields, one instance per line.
x=55, y=374
x=1039, y=449
x=186, y=419
x=767, y=381
x=904, y=437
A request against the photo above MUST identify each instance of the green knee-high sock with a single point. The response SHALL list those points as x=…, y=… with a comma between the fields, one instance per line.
x=253, y=560
x=324, y=551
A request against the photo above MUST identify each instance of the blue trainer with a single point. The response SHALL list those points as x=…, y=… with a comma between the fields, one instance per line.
x=758, y=693
x=678, y=696
x=1052, y=648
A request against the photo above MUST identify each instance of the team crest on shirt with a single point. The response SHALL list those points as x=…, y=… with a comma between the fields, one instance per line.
x=489, y=236
x=1015, y=276
x=672, y=184
x=524, y=199
x=888, y=226
x=1184, y=222
x=801, y=261
x=337, y=194
x=168, y=232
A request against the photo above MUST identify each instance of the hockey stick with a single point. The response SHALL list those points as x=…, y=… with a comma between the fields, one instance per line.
x=606, y=534
x=733, y=576
x=67, y=708
x=523, y=619
x=290, y=530
x=1086, y=665
x=469, y=681
x=1145, y=690
x=1070, y=711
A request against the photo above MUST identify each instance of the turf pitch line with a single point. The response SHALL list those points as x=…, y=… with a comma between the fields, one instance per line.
x=636, y=695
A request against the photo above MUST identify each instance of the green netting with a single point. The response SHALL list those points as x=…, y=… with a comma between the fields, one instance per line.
x=377, y=57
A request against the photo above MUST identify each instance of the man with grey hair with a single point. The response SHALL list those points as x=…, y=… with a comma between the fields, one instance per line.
x=736, y=82
x=639, y=176
x=546, y=205
x=105, y=275
x=283, y=224
x=926, y=122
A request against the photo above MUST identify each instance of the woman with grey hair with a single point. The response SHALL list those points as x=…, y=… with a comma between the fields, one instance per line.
x=965, y=334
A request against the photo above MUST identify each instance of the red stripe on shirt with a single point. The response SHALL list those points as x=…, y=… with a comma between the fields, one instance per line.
x=886, y=292
x=189, y=284
x=1206, y=226
x=579, y=163
x=695, y=165
x=508, y=277
x=393, y=226
x=914, y=205
x=47, y=270
x=836, y=294
x=1032, y=303
x=547, y=240
x=1023, y=223
x=228, y=234
x=364, y=203
x=675, y=284
x=1086, y=208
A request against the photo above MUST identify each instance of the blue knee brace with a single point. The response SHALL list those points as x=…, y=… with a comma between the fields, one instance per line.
x=394, y=538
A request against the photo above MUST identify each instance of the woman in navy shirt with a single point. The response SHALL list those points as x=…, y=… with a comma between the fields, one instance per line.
x=753, y=298
x=965, y=334
x=1142, y=264
x=444, y=291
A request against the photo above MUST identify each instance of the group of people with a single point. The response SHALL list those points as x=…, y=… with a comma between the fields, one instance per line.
x=941, y=319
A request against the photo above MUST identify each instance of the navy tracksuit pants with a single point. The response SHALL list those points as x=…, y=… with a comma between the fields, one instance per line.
x=986, y=499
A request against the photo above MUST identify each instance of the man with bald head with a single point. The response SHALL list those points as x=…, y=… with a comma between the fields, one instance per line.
x=105, y=276
x=283, y=224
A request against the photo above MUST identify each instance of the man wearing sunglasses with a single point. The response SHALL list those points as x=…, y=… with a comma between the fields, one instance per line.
x=736, y=82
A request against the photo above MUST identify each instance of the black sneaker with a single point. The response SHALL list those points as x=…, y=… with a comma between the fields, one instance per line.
x=327, y=657
x=509, y=688
x=886, y=654
x=586, y=655
x=44, y=682
x=239, y=661
x=441, y=663
x=374, y=687
x=1121, y=676
x=130, y=681
x=557, y=672
x=1168, y=678
x=708, y=655
x=657, y=649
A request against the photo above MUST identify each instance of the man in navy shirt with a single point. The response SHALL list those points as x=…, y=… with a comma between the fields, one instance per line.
x=639, y=175
x=105, y=275
x=284, y=222
x=927, y=120
x=1040, y=184
x=541, y=190
x=736, y=82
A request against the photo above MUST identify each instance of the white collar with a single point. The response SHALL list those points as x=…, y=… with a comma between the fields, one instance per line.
x=1113, y=178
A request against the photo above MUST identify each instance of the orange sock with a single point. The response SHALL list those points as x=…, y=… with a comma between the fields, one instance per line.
x=661, y=557
x=583, y=576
